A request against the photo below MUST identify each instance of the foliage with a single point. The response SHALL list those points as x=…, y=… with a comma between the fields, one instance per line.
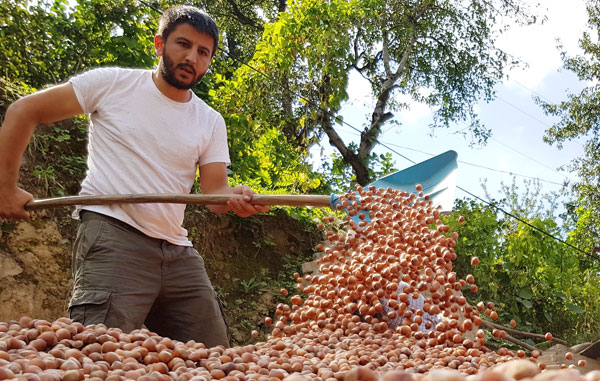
x=538, y=281
x=251, y=286
x=246, y=295
x=579, y=118
x=339, y=176
x=269, y=163
x=437, y=52
x=261, y=155
x=47, y=42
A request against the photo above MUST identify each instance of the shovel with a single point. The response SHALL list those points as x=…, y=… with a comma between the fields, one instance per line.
x=437, y=176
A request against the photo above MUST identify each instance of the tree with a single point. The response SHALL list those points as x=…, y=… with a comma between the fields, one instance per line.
x=47, y=42
x=579, y=116
x=441, y=53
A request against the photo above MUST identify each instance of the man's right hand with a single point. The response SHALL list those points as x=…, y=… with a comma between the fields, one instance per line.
x=12, y=203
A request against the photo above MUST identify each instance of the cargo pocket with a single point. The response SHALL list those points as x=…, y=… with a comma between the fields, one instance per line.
x=222, y=309
x=89, y=306
x=88, y=234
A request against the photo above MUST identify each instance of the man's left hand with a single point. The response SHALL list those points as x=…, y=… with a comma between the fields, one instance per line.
x=244, y=207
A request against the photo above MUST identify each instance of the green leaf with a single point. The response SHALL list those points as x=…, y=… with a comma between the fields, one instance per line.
x=530, y=342
x=526, y=293
x=560, y=295
x=525, y=303
x=575, y=308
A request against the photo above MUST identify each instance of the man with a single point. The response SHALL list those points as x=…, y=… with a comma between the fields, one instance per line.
x=133, y=264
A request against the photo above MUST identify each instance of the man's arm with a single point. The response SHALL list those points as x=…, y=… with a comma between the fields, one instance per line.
x=213, y=180
x=21, y=118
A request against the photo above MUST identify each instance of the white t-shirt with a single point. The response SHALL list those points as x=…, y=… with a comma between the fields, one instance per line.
x=141, y=141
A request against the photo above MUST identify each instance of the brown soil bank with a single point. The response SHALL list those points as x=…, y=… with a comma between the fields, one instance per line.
x=248, y=260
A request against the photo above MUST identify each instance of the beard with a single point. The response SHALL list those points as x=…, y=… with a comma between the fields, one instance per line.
x=167, y=70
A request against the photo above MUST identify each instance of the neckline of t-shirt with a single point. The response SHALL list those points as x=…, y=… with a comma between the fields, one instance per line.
x=166, y=98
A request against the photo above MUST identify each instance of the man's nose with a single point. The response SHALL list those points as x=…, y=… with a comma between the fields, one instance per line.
x=192, y=56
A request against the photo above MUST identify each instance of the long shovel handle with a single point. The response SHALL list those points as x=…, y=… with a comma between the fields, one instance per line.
x=214, y=199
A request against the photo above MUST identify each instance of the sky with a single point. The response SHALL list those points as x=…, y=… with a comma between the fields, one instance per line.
x=516, y=122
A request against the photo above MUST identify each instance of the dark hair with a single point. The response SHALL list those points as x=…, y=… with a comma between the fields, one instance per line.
x=185, y=14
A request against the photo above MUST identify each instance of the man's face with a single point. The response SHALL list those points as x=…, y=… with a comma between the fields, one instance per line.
x=186, y=56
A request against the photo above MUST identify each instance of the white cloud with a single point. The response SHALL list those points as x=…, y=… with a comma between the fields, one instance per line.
x=417, y=113
x=503, y=163
x=359, y=89
x=536, y=44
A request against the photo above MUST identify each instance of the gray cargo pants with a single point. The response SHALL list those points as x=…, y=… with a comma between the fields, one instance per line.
x=123, y=278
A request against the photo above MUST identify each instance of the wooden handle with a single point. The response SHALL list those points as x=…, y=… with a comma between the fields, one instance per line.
x=214, y=199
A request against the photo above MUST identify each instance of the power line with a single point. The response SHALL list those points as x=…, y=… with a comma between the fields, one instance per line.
x=527, y=156
x=528, y=114
x=497, y=207
x=510, y=173
x=494, y=205
x=515, y=150
x=471, y=164
x=487, y=168
x=532, y=91
x=524, y=112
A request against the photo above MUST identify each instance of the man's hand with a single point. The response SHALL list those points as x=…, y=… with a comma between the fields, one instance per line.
x=12, y=203
x=244, y=207
x=213, y=180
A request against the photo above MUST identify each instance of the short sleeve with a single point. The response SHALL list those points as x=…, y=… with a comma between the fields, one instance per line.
x=92, y=86
x=217, y=150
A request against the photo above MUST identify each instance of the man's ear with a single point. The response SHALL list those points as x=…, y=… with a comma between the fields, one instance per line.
x=158, y=45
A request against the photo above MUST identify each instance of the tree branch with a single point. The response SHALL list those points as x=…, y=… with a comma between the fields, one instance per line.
x=334, y=139
x=379, y=116
x=324, y=119
x=519, y=342
x=386, y=54
x=242, y=17
x=282, y=5
x=489, y=324
x=444, y=47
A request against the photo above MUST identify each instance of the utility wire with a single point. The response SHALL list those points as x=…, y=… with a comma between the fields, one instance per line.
x=528, y=114
x=484, y=167
x=468, y=163
x=499, y=208
x=391, y=149
x=510, y=173
x=527, y=156
x=530, y=225
x=532, y=91
x=524, y=112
